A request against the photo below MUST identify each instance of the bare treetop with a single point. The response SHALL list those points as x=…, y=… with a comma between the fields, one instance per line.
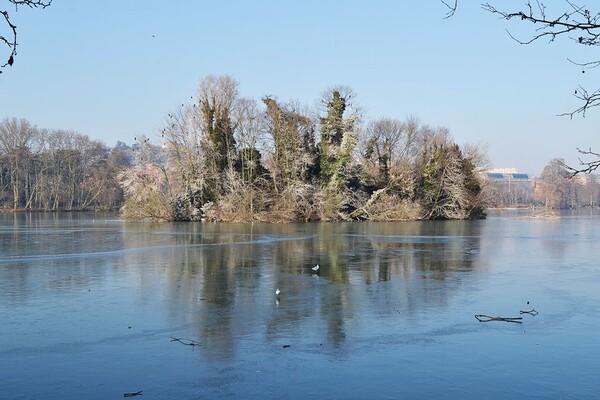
x=577, y=22
x=10, y=40
x=576, y=19
x=451, y=8
x=586, y=165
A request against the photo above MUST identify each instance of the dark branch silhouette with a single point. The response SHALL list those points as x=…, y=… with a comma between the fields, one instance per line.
x=10, y=41
x=577, y=22
x=576, y=19
x=582, y=26
x=451, y=8
x=585, y=167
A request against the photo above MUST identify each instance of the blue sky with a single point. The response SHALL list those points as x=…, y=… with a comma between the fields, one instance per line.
x=114, y=69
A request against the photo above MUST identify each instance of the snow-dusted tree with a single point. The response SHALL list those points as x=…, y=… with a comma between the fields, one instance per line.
x=338, y=136
x=449, y=188
x=244, y=180
x=389, y=150
x=147, y=184
x=197, y=152
x=185, y=145
x=291, y=161
x=336, y=147
x=217, y=97
x=293, y=154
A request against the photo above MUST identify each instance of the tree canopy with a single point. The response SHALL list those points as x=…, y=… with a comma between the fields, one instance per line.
x=226, y=158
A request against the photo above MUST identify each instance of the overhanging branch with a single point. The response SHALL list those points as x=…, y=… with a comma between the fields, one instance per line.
x=578, y=23
x=451, y=8
x=10, y=41
x=586, y=167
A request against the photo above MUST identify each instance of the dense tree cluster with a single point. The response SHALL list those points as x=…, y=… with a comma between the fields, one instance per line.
x=44, y=169
x=228, y=158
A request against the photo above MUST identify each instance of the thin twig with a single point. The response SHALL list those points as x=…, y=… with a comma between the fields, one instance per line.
x=488, y=318
x=451, y=8
x=587, y=166
x=131, y=394
x=187, y=342
x=531, y=312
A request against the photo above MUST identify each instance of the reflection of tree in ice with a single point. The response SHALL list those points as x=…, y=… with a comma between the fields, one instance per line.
x=222, y=278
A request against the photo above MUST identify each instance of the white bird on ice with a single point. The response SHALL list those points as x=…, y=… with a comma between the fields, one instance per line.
x=316, y=268
x=277, y=291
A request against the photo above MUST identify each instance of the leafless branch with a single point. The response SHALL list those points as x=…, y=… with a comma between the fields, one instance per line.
x=187, y=342
x=577, y=22
x=133, y=394
x=451, y=8
x=576, y=19
x=530, y=312
x=11, y=40
x=590, y=100
x=588, y=65
x=488, y=318
x=10, y=43
x=586, y=167
x=31, y=3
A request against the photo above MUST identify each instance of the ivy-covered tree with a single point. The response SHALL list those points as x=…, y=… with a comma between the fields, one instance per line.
x=292, y=162
x=448, y=187
x=337, y=137
x=294, y=151
x=338, y=141
x=225, y=158
x=217, y=96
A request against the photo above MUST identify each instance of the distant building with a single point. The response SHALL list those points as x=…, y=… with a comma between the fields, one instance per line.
x=510, y=187
x=503, y=171
x=507, y=187
x=517, y=176
x=509, y=175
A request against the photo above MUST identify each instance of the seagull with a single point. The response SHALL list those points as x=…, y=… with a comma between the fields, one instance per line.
x=316, y=268
x=277, y=291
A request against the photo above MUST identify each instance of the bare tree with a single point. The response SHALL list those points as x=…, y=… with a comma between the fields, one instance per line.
x=589, y=191
x=291, y=135
x=391, y=146
x=185, y=145
x=586, y=165
x=556, y=184
x=580, y=24
x=10, y=39
x=449, y=188
x=217, y=96
x=146, y=185
x=242, y=183
x=577, y=22
x=16, y=137
x=53, y=169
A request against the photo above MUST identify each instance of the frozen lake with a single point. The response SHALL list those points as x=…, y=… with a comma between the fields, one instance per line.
x=89, y=305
